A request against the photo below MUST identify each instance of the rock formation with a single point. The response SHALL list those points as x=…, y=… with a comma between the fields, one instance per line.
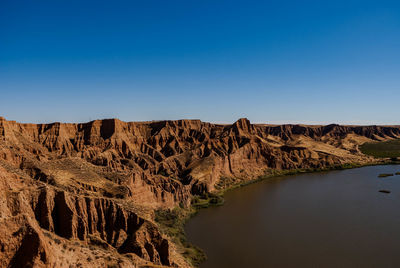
x=85, y=194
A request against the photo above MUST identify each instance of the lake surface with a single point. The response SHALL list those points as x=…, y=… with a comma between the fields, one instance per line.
x=329, y=219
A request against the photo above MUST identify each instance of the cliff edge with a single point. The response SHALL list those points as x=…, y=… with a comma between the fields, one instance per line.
x=85, y=194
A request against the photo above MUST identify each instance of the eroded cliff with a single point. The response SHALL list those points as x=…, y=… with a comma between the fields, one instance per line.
x=85, y=194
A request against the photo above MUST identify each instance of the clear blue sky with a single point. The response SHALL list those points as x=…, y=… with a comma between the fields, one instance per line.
x=270, y=61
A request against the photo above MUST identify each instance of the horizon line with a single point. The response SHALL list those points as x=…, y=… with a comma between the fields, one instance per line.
x=272, y=122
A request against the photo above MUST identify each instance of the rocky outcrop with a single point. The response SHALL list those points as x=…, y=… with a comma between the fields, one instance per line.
x=25, y=245
x=77, y=217
x=91, y=188
x=30, y=214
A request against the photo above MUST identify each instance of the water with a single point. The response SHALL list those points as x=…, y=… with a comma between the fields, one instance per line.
x=330, y=219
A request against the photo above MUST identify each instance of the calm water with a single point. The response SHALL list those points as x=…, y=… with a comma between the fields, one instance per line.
x=332, y=219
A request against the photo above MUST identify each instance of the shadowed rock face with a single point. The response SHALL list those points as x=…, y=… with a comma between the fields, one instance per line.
x=36, y=220
x=93, y=186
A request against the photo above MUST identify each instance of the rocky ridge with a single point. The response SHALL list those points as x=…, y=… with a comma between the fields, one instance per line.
x=85, y=194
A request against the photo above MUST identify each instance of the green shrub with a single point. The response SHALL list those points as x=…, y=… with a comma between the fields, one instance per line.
x=384, y=149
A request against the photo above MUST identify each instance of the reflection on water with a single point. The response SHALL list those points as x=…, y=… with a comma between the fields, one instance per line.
x=330, y=219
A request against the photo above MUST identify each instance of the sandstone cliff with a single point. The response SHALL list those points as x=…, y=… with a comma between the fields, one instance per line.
x=84, y=194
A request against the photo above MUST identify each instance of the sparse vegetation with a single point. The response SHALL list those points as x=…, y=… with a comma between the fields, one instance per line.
x=226, y=182
x=207, y=200
x=172, y=223
x=384, y=149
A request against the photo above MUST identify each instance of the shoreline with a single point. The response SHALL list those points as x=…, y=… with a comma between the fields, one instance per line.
x=172, y=222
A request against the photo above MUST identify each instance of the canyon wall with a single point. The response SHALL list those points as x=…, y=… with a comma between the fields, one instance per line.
x=85, y=194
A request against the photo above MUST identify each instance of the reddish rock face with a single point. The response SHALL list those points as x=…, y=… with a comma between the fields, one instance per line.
x=74, y=192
